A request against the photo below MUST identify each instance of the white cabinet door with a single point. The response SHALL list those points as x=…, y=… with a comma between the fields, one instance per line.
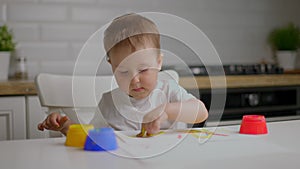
x=12, y=118
x=35, y=115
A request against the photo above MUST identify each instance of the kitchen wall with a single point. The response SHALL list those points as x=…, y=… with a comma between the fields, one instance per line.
x=50, y=33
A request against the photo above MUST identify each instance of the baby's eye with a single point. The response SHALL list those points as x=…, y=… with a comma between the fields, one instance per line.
x=143, y=70
x=123, y=72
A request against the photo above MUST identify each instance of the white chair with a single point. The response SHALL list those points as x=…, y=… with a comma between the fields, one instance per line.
x=69, y=94
x=78, y=96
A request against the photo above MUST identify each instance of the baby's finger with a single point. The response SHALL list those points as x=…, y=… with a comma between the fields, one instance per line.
x=46, y=126
x=47, y=122
x=53, y=121
x=153, y=127
x=148, y=128
x=63, y=120
x=41, y=127
x=156, y=126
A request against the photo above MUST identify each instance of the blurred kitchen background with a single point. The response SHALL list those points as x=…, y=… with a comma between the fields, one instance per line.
x=50, y=33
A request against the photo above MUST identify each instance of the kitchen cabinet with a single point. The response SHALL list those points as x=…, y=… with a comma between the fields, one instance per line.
x=35, y=114
x=19, y=116
x=20, y=111
x=12, y=118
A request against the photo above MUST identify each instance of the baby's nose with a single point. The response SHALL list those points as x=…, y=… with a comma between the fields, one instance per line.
x=135, y=78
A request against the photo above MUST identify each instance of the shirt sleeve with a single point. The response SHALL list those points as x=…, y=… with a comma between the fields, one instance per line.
x=178, y=93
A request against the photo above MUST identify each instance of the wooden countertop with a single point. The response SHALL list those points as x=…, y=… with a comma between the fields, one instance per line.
x=17, y=87
x=240, y=81
x=27, y=87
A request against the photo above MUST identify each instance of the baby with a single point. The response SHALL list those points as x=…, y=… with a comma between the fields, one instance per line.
x=142, y=101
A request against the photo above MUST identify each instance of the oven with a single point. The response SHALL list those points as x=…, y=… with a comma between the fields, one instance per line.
x=275, y=103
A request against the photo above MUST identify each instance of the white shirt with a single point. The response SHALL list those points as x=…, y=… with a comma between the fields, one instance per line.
x=123, y=112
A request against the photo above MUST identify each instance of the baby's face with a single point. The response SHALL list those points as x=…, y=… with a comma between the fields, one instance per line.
x=136, y=73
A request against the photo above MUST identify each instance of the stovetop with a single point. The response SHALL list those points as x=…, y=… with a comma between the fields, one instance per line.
x=235, y=69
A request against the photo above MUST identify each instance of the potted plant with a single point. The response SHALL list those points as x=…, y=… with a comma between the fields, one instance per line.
x=7, y=45
x=284, y=42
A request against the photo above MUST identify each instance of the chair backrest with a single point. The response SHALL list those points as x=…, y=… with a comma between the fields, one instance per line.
x=72, y=91
x=75, y=96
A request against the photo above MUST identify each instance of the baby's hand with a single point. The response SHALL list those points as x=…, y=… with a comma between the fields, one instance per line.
x=152, y=121
x=54, y=121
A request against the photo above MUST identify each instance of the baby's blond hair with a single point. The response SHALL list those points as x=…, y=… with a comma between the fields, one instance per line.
x=132, y=30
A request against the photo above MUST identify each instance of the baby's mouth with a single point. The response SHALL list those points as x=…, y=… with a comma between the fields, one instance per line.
x=138, y=89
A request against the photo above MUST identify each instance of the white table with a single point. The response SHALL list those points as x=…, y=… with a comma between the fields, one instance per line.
x=278, y=149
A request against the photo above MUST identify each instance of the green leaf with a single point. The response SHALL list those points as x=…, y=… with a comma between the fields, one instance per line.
x=6, y=39
x=285, y=38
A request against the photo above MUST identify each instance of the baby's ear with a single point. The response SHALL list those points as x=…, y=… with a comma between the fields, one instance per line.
x=108, y=59
x=160, y=60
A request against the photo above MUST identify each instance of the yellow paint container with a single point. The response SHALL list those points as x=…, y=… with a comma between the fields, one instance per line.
x=76, y=134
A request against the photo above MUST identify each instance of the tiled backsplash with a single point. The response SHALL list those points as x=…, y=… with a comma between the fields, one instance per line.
x=50, y=33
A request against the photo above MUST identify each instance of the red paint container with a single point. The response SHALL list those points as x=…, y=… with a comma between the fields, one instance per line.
x=253, y=124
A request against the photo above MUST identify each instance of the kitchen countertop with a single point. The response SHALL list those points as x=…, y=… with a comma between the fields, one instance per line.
x=27, y=87
x=17, y=87
x=240, y=81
